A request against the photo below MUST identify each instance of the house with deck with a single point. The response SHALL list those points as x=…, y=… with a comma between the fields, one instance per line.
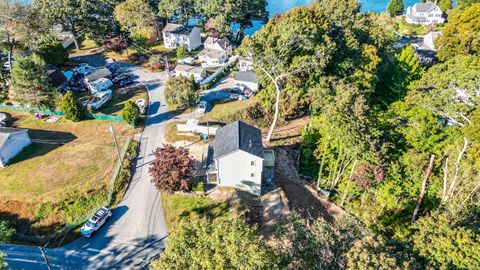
x=176, y=35
x=236, y=158
x=424, y=14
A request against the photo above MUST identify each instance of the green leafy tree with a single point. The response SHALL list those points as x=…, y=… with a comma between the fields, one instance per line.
x=71, y=107
x=135, y=17
x=455, y=246
x=460, y=34
x=180, y=92
x=181, y=52
x=374, y=253
x=53, y=53
x=461, y=4
x=220, y=243
x=178, y=10
x=6, y=232
x=445, y=5
x=130, y=112
x=91, y=18
x=31, y=83
x=395, y=7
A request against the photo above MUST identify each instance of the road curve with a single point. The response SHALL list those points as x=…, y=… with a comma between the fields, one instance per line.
x=137, y=230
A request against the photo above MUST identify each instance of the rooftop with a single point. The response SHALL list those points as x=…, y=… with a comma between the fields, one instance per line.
x=177, y=29
x=424, y=7
x=236, y=136
x=190, y=69
x=246, y=76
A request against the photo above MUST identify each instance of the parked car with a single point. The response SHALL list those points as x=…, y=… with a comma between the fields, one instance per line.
x=187, y=61
x=202, y=107
x=125, y=82
x=121, y=77
x=84, y=69
x=98, y=100
x=96, y=222
x=99, y=85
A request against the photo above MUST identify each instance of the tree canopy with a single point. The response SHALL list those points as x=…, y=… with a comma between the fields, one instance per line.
x=221, y=243
x=395, y=7
x=460, y=34
x=180, y=92
x=135, y=17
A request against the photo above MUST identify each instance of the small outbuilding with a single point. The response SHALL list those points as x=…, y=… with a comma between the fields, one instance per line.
x=187, y=71
x=247, y=80
x=56, y=76
x=12, y=142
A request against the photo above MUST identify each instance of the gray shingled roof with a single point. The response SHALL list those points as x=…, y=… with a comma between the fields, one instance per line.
x=56, y=76
x=177, y=29
x=235, y=136
x=425, y=7
x=246, y=76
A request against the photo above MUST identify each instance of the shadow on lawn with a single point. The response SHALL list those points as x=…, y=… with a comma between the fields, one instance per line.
x=43, y=142
x=121, y=95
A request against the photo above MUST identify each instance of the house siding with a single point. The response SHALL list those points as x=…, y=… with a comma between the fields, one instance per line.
x=14, y=145
x=236, y=170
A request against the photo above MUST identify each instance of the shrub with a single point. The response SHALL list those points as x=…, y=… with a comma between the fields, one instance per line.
x=198, y=187
x=155, y=63
x=172, y=168
x=181, y=52
x=180, y=92
x=71, y=107
x=53, y=53
x=6, y=233
x=130, y=112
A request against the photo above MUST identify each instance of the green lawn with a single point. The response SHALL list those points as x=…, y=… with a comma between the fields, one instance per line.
x=178, y=207
x=410, y=29
x=67, y=169
x=229, y=111
x=122, y=95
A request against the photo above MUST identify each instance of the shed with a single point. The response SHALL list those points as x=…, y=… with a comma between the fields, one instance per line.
x=247, y=79
x=12, y=142
x=57, y=77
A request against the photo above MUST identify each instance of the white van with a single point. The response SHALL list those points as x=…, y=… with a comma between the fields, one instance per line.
x=99, y=85
x=85, y=69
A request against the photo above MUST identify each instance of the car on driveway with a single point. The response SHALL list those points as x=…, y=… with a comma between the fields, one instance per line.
x=125, y=82
x=121, y=77
x=95, y=222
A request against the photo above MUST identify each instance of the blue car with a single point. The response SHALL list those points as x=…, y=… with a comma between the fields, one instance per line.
x=96, y=222
x=125, y=82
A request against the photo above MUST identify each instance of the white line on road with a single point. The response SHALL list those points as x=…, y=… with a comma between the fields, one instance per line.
x=98, y=250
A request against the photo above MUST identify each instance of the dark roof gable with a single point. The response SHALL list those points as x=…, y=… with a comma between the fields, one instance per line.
x=237, y=136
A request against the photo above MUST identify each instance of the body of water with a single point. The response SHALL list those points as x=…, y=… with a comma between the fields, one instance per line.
x=282, y=6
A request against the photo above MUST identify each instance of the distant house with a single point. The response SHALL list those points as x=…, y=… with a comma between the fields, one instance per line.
x=12, y=142
x=236, y=158
x=57, y=78
x=425, y=49
x=216, y=52
x=187, y=71
x=245, y=63
x=175, y=35
x=247, y=80
x=424, y=13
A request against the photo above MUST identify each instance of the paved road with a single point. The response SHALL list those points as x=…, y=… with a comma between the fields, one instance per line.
x=137, y=230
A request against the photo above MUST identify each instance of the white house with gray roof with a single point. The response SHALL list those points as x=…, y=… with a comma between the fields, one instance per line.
x=198, y=73
x=236, y=158
x=424, y=14
x=247, y=80
x=176, y=35
x=216, y=52
x=12, y=142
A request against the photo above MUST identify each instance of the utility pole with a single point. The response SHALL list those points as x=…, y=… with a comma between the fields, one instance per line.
x=116, y=145
x=45, y=258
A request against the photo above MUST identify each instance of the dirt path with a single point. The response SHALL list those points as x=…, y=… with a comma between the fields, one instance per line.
x=302, y=198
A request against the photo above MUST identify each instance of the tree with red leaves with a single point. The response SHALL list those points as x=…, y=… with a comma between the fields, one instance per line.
x=172, y=168
x=116, y=44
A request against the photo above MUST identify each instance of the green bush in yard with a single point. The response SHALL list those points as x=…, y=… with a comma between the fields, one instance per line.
x=182, y=52
x=130, y=112
x=180, y=92
x=53, y=53
x=71, y=107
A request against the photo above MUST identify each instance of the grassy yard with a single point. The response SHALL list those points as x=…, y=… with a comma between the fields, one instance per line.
x=178, y=207
x=64, y=172
x=410, y=29
x=229, y=111
x=122, y=95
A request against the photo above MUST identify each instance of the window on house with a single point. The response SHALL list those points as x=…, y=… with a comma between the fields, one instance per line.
x=252, y=163
x=252, y=175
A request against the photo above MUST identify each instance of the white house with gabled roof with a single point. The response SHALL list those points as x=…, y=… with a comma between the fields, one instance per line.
x=424, y=14
x=176, y=35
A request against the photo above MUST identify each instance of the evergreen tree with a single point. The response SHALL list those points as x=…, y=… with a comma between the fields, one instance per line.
x=130, y=112
x=71, y=107
x=31, y=84
x=53, y=53
x=395, y=7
